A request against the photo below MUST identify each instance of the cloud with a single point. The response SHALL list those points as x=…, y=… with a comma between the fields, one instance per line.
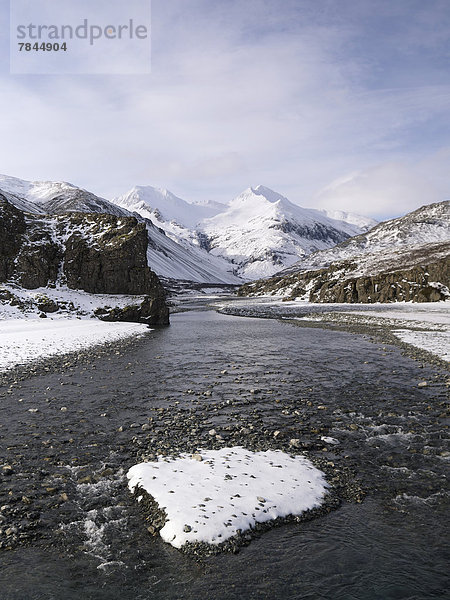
x=289, y=94
x=382, y=192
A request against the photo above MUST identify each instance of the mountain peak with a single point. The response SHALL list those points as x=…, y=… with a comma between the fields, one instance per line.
x=267, y=193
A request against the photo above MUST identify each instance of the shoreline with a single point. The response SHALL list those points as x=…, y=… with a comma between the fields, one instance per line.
x=354, y=320
x=360, y=324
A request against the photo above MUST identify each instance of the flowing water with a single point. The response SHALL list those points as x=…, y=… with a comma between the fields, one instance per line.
x=77, y=533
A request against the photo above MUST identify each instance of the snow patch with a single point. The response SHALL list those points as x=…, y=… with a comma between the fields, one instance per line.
x=436, y=342
x=211, y=496
x=27, y=340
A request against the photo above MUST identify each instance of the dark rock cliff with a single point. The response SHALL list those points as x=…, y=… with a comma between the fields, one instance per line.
x=12, y=226
x=97, y=253
x=427, y=281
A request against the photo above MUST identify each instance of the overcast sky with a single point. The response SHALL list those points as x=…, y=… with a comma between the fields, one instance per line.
x=333, y=103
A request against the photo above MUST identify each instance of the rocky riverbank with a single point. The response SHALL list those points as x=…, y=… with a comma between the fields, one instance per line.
x=76, y=424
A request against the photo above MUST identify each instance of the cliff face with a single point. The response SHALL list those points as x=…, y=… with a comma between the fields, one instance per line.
x=426, y=281
x=419, y=284
x=97, y=253
x=104, y=254
x=12, y=226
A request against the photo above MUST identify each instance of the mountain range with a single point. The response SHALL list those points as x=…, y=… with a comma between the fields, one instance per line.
x=259, y=232
x=262, y=237
x=407, y=258
x=256, y=234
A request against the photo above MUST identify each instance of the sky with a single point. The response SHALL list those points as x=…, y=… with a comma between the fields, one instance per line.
x=333, y=103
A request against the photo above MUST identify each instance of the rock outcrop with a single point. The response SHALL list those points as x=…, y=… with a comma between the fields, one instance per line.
x=97, y=253
x=426, y=281
x=12, y=227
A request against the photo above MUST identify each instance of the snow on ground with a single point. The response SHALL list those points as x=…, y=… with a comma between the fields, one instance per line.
x=437, y=343
x=84, y=303
x=432, y=319
x=210, y=496
x=26, y=340
x=430, y=312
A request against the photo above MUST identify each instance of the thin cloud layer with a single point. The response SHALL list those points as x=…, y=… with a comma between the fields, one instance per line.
x=295, y=95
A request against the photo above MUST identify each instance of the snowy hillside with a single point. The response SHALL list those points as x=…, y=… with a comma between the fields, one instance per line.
x=263, y=232
x=167, y=257
x=405, y=259
x=260, y=232
x=427, y=225
x=54, y=197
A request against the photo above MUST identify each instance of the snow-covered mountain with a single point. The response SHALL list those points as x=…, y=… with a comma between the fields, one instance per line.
x=364, y=223
x=263, y=232
x=53, y=197
x=260, y=232
x=429, y=224
x=402, y=259
x=165, y=207
x=167, y=257
x=255, y=235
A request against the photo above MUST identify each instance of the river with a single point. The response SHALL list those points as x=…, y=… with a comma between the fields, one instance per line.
x=70, y=433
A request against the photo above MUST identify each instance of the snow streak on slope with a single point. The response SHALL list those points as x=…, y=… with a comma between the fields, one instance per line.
x=363, y=223
x=185, y=261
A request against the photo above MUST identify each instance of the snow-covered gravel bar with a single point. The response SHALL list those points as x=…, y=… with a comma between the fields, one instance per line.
x=435, y=342
x=26, y=340
x=210, y=496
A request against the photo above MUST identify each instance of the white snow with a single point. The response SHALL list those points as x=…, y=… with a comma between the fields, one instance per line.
x=183, y=260
x=26, y=340
x=431, y=312
x=210, y=496
x=151, y=202
x=390, y=245
x=436, y=342
x=256, y=234
x=84, y=303
x=364, y=223
x=263, y=232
